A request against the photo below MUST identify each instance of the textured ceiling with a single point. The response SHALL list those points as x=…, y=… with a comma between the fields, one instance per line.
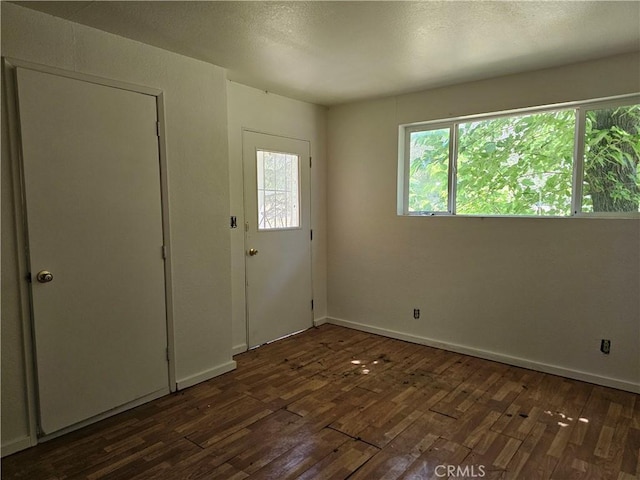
x=335, y=52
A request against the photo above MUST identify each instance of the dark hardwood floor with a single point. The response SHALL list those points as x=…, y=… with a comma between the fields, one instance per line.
x=335, y=403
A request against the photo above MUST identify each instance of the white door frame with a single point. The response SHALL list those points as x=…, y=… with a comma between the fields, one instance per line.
x=22, y=241
x=244, y=234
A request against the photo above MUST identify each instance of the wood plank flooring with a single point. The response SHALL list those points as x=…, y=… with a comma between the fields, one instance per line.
x=335, y=403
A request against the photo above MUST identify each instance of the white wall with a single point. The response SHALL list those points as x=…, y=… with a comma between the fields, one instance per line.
x=198, y=175
x=252, y=109
x=530, y=291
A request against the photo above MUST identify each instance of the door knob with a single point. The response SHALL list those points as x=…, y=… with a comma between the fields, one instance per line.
x=253, y=252
x=44, y=276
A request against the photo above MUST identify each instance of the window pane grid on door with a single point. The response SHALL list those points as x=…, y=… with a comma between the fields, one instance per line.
x=278, y=190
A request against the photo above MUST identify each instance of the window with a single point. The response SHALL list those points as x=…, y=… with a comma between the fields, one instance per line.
x=429, y=160
x=570, y=160
x=278, y=190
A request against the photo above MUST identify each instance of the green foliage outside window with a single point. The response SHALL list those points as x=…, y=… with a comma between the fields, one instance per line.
x=429, y=171
x=516, y=165
x=612, y=153
x=523, y=165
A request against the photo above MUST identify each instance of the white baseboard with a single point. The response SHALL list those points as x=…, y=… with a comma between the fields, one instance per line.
x=14, y=446
x=488, y=355
x=206, y=375
x=319, y=321
x=239, y=349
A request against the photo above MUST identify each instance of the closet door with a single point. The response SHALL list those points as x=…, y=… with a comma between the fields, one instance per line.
x=94, y=220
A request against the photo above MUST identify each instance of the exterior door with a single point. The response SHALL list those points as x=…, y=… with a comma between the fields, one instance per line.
x=94, y=220
x=277, y=236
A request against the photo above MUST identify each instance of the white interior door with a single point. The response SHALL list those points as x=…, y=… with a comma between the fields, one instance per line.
x=94, y=220
x=277, y=236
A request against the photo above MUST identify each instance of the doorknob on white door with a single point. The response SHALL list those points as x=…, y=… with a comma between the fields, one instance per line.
x=253, y=252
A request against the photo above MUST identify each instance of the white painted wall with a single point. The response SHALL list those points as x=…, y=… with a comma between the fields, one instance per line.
x=196, y=139
x=530, y=291
x=249, y=108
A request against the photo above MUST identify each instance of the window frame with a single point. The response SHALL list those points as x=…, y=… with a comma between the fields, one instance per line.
x=450, y=176
x=581, y=108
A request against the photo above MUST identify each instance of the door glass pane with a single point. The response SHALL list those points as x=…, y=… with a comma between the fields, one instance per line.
x=278, y=190
x=611, y=159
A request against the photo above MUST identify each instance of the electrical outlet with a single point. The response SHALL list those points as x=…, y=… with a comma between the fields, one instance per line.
x=605, y=346
x=416, y=313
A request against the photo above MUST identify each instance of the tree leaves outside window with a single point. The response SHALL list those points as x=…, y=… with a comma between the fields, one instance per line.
x=611, y=158
x=523, y=164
